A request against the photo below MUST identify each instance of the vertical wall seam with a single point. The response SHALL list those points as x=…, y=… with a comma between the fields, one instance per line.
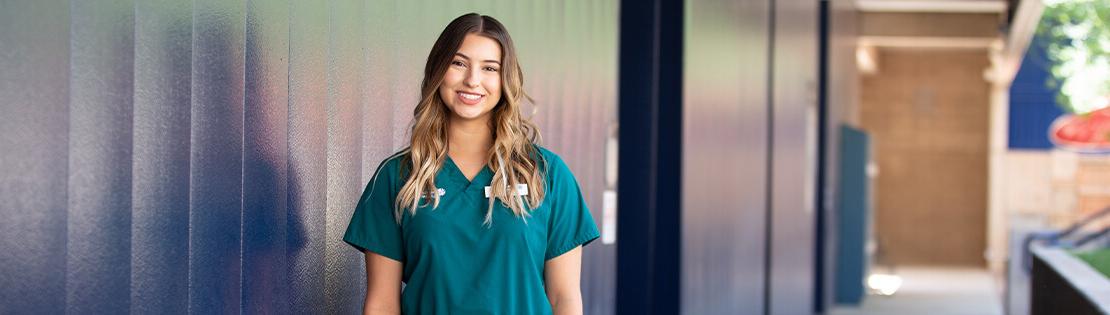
x=189, y=167
x=327, y=78
x=189, y=195
x=769, y=193
x=131, y=171
x=288, y=152
x=131, y=240
x=69, y=155
x=242, y=159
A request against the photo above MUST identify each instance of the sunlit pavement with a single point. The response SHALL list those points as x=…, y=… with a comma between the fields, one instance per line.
x=935, y=290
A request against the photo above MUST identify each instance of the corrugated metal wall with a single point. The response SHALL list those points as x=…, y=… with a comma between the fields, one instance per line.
x=794, y=164
x=34, y=87
x=794, y=160
x=725, y=167
x=168, y=156
x=749, y=140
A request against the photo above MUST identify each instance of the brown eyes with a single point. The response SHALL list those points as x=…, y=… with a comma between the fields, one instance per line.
x=460, y=63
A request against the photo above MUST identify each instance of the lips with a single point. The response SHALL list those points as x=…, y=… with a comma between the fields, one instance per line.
x=469, y=98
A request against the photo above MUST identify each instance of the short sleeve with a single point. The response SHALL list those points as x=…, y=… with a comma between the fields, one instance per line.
x=373, y=226
x=571, y=224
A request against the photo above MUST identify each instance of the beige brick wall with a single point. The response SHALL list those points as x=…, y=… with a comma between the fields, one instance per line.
x=1092, y=181
x=1056, y=188
x=928, y=114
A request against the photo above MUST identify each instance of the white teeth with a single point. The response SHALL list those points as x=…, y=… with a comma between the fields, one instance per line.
x=470, y=96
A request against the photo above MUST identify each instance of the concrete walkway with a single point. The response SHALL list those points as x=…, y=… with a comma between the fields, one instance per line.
x=934, y=290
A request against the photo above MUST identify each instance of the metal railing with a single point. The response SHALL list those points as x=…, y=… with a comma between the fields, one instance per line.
x=1068, y=238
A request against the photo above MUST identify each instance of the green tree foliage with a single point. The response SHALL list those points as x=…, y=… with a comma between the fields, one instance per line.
x=1077, y=34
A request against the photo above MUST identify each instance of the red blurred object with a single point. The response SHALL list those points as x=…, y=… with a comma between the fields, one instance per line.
x=1089, y=132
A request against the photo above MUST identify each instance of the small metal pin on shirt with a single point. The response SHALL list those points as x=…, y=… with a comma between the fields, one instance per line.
x=521, y=189
x=439, y=191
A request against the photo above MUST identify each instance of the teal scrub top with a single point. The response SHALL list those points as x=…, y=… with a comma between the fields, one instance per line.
x=453, y=263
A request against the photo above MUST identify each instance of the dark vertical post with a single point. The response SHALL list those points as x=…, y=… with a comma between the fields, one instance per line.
x=650, y=165
x=769, y=217
x=822, y=133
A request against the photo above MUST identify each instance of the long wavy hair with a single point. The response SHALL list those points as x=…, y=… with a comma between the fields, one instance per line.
x=513, y=157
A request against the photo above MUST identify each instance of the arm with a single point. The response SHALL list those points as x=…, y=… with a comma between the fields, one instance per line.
x=383, y=285
x=562, y=276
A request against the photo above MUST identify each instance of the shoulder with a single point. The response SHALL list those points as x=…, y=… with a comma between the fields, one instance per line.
x=393, y=165
x=394, y=160
x=553, y=166
x=547, y=158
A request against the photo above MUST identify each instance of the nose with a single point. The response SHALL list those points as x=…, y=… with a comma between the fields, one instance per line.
x=473, y=78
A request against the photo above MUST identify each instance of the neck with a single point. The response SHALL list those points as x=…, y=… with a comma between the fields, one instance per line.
x=469, y=137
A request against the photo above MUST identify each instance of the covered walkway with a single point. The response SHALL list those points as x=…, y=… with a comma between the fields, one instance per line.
x=935, y=290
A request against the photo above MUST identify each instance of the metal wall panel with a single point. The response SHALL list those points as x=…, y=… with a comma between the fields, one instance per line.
x=215, y=150
x=725, y=158
x=377, y=100
x=160, y=165
x=265, y=158
x=216, y=160
x=98, y=256
x=412, y=38
x=34, y=137
x=308, y=85
x=344, y=291
x=794, y=145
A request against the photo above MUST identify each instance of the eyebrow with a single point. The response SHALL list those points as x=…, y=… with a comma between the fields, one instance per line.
x=468, y=58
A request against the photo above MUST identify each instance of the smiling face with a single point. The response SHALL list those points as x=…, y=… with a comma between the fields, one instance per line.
x=472, y=84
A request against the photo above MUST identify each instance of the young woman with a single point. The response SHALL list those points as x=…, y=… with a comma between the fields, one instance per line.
x=474, y=217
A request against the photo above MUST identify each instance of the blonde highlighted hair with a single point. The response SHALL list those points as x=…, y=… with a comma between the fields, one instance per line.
x=513, y=158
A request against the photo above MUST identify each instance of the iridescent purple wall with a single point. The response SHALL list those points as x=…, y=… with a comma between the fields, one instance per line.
x=204, y=157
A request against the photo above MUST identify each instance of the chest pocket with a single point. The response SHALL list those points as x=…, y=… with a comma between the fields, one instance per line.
x=530, y=230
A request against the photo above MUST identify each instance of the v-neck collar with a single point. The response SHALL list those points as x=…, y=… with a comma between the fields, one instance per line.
x=479, y=181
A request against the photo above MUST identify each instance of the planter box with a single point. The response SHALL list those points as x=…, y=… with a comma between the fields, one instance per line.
x=1064, y=284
